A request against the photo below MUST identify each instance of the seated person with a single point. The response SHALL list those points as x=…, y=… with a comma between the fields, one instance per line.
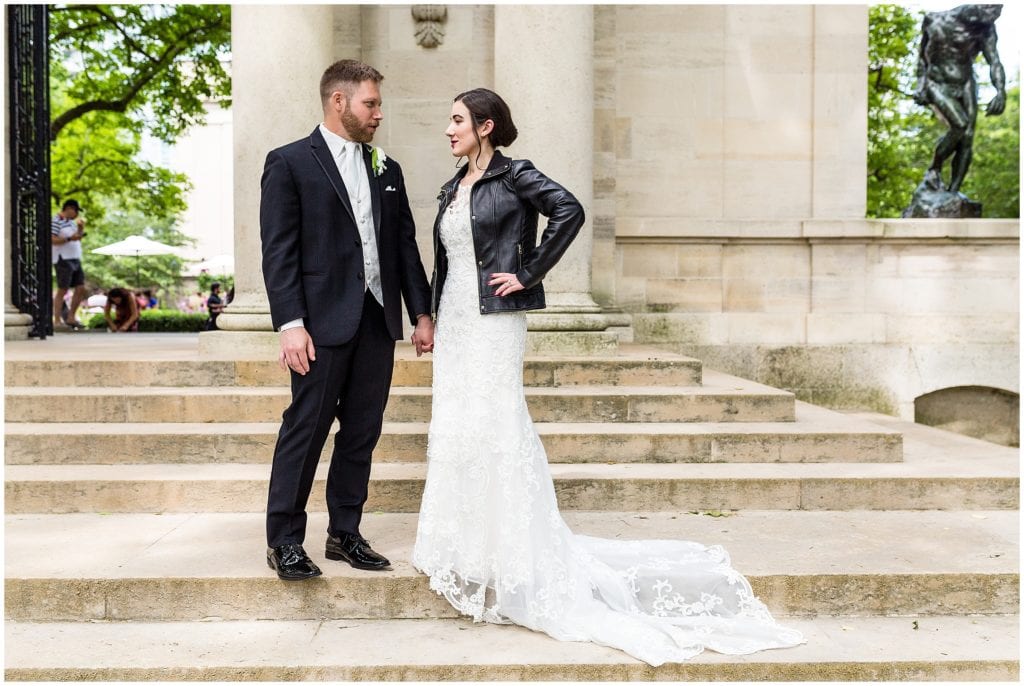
x=126, y=311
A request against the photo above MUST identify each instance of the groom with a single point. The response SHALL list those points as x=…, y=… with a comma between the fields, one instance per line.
x=339, y=252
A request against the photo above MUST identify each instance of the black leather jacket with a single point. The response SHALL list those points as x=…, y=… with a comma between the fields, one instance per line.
x=504, y=206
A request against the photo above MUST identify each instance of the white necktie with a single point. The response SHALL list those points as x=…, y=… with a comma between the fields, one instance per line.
x=351, y=162
x=353, y=172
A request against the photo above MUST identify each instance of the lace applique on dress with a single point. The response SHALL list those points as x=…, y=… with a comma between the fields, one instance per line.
x=491, y=538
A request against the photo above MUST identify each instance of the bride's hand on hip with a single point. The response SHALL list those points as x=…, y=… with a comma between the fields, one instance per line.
x=506, y=283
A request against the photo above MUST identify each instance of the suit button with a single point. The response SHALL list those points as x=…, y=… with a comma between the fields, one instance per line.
x=360, y=276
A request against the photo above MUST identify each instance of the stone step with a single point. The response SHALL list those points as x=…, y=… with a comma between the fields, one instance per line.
x=960, y=473
x=138, y=567
x=723, y=399
x=817, y=435
x=635, y=366
x=844, y=648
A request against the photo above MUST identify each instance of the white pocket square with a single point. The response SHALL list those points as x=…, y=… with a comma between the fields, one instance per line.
x=390, y=188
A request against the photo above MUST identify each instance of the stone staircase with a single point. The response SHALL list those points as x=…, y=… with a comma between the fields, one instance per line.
x=134, y=528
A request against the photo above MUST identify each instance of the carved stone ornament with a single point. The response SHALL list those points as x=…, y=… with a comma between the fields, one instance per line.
x=429, y=24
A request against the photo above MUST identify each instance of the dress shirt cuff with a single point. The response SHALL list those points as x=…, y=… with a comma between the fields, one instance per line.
x=293, y=324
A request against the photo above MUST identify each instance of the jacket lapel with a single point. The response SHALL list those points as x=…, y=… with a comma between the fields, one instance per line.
x=375, y=198
x=322, y=154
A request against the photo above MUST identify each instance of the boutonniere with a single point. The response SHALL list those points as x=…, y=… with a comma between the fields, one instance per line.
x=378, y=161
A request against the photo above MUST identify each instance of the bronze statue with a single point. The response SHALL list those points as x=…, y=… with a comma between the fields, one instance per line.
x=950, y=41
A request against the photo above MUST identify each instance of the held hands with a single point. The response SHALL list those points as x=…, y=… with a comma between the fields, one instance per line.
x=297, y=350
x=423, y=336
x=506, y=283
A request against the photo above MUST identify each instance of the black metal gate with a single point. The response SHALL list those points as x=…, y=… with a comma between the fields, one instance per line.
x=29, y=98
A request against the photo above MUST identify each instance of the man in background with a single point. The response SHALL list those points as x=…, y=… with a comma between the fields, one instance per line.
x=214, y=305
x=66, y=231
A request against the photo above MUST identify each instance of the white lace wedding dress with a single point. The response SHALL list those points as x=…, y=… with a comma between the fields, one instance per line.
x=490, y=535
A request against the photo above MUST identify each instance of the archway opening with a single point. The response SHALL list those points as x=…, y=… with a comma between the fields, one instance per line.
x=991, y=414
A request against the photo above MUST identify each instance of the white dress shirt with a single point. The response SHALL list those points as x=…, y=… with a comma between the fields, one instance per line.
x=348, y=156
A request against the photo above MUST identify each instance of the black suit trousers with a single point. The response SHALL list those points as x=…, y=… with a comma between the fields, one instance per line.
x=350, y=383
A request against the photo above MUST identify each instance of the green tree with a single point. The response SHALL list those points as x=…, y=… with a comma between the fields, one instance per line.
x=902, y=135
x=158, y=64
x=898, y=134
x=118, y=72
x=157, y=272
x=994, y=177
x=96, y=160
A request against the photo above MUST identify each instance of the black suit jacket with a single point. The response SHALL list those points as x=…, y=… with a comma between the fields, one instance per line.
x=312, y=251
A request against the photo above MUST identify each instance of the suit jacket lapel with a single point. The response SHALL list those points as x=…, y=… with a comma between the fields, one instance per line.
x=374, y=191
x=322, y=154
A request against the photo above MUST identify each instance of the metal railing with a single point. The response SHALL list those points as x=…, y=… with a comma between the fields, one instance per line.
x=29, y=102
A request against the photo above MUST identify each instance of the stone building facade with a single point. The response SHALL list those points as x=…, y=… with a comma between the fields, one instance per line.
x=720, y=151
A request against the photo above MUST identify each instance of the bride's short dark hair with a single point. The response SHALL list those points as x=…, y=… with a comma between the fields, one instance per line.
x=485, y=104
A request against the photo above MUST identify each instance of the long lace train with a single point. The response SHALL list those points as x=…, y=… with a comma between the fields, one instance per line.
x=490, y=535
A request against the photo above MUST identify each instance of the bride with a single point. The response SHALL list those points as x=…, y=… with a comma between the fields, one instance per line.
x=490, y=536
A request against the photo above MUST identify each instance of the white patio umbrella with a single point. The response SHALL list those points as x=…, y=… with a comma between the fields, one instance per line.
x=138, y=246
x=218, y=264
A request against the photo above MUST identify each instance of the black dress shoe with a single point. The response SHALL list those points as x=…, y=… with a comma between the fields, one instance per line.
x=356, y=551
x=291, y=562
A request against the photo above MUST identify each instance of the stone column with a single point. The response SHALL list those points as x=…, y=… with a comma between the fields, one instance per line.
x=279, y=53
x=16, y=324
x=840, y=115
x=544, y=69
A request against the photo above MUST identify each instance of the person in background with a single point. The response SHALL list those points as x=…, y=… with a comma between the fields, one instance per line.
x=214, y=305
x=66, y=232
x=151, y=300
x=195, y=302
x=126, y=311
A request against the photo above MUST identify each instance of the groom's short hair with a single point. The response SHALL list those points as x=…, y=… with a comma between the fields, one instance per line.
x=346, y=75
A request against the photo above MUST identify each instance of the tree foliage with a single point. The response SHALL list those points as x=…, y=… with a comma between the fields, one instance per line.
x=994, y=177
x=96, y=160
x=902, y=135
x=158, y=64
x=117, y=73
x=158, y=272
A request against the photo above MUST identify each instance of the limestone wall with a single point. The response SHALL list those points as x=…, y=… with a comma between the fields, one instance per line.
x=845, y=313
x=732, y=145
x=729, y=195
x=419, y=85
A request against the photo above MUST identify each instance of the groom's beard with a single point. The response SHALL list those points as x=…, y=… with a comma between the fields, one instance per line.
x=357, y=130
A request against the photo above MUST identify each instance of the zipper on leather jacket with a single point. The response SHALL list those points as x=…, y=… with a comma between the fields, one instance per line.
x=443, y=197
x=519, y=251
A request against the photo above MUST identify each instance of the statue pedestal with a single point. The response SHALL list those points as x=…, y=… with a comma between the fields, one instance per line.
x=931, y=200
